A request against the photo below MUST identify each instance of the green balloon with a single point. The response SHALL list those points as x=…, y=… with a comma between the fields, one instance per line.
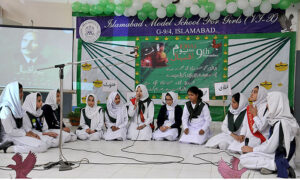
x=257, y=9
x=238, y=12
x=152, y=15
x=109, y=9
x=295, y=1
x=224, y=13
x=147, y=7
x=209, y=7
x=188, y=13
x=99, y=9
x=202, y=2
x=142, y=15
x=127, y=3
x=85, y=8
x=103, y=2
x=76, y=6
x=171, y=9
x=284, y=4
x=229, y=1
x=120, y=8
x=93, y=10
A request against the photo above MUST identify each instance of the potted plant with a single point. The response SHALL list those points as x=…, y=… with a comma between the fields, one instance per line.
x=74, y=118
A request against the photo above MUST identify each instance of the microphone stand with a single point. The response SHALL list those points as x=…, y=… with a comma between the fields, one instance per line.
x=64, y=165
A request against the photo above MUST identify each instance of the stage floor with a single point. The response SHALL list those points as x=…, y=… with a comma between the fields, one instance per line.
x=142, y=170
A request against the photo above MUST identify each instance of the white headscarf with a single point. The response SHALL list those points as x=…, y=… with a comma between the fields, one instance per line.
x=10, y=97
x=92, y=112
x=51, y=99
x=175, y=99
x=115, y=110
x=279, y=110
x=243, y=103
x=30, y=105
x=144, y=91
x=261, y=96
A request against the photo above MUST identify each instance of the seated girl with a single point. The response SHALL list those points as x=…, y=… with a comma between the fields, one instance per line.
x=196, y=118
x=12, y=130
x=232, y=124
x=34, y=120
x=91, y=121
x=116, y=118
x=168, y=119
x=141, y=112
x=51, y=110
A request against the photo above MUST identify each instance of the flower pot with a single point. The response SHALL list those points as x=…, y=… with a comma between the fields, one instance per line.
x=75, y=121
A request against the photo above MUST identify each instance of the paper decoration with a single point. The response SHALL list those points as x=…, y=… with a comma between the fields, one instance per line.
x=223, y=89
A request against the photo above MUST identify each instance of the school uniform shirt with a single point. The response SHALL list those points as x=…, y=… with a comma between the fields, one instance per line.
x=281, y=119
x=115, y=115
x=234, y=125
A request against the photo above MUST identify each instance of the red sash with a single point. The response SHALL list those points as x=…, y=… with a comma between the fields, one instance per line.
x=251, y=122
x=141, y=113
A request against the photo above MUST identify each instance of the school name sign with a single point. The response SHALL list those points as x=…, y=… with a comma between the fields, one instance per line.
x=132, y=26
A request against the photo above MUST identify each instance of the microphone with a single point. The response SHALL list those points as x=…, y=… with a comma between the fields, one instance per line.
x=246, y=141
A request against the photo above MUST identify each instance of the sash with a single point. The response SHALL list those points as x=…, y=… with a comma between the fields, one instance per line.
x=141, y=111
x=251, y=122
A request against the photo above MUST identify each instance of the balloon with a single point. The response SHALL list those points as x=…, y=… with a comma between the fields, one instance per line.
x=120, y=8
x=209, y=7
x=110, y=8
x=137, y=5
x=188, y=13
x=127, y=3
x=295, y=1
x=224, y=13
x=171, y=9
x=93, y=10
x=220, y=5
x=103, y=2
x=214, y=15
x=161, y=12
x=152, y=15
x=165, y=3
x=155, y=3
x=242, y=4
x=255, y=3
x=126, y=12
x=180, y=10
x=274, y=1
x=248, y=11
x=147, y=7
x=142, y=15
x=231, y=7
x=132, y=11
x=203, y=13
x=265, y=6
x=76, y=6
x=99, y=9
x=238, y=12
x=178, y=15
x=187, y=3
x=284, y=4
x=85, y=8
x=195, y=9
x=201, y=2
x=117, y=2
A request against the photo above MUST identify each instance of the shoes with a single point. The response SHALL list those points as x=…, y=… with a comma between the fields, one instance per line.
x=265, y=171
x=6, y=145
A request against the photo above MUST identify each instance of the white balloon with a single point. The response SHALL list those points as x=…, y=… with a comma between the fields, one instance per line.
x=265, y=7
x=180, y=9
x=214, y=15
x=231, y=7
x=117, y=14
x=155, y=3
x=195, y=9
x=248, y=11
x=220, y=5
x=255, y=3
x=161, y=12
x=187, y=3
x=202, y=12
x=92, y=2
x=274, y=1
x=126, y=12
x=117, y=1
x=242, y=4
x=132, y=11
x=165, y=3
x=178, y=15
x=137, y=5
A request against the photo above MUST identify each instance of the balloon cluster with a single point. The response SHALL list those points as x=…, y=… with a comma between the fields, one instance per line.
x=153, y=9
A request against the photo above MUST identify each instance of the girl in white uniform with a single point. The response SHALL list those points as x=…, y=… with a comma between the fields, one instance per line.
x=141, y=112
x=255, y=128
x=278, y=151
x=168, y=119
x=91, y=121
x=116, y=118
x=12, y=129
x=232, y=124
x=34, y=120
x=51, y=111
x=196, y=118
